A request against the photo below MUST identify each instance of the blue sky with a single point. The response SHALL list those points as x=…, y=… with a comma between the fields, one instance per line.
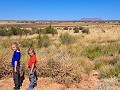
x=59, y=9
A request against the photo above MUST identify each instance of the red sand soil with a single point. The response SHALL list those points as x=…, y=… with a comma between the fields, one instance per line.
x=87, y=83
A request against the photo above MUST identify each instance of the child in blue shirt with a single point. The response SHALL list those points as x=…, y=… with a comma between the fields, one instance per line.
x=16, y=65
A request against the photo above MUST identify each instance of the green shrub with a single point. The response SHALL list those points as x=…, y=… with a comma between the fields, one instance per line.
x=50, y=30
x=86, y=30
x=114, y=72
x=93, y=51
x=76, y=29
x=67, y=39
x=18, y=31
x=4, y=32
x=66, y=28
x=14, y=31
x=43, y=40
x=111, y=49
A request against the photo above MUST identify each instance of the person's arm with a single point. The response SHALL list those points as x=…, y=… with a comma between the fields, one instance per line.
x=15, y=70
x=17, y=58
x=31, y=71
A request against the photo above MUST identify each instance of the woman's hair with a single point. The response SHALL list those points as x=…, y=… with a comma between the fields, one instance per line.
x=16, y=45
x=31, y=49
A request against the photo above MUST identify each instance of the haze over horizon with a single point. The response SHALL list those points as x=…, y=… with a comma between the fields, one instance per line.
x=59, y=9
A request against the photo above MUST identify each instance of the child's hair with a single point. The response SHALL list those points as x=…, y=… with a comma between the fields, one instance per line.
x=16, y=45
x=31, y=49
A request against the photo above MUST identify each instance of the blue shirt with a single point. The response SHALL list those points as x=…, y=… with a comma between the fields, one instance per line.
x=16, y=57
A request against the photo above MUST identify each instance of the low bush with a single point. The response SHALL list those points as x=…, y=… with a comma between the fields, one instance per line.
x=76, y=29
x=43, y=40
x=66, y=28
x=86, y=30
x=66, y=38
x=93, y=51
x=50, y=30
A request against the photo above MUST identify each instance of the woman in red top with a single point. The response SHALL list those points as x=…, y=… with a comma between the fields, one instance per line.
x=32, y=69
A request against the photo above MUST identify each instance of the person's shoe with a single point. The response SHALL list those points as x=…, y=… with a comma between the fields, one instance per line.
x=35, y=85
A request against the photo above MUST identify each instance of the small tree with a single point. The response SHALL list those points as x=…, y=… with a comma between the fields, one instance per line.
x=65, y=28
x=50, y=30
x=86, y=30
x=76, y=29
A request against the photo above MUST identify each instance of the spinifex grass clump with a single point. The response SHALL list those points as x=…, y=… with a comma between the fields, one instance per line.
x=108, y=67
x=96, y=51
x=93, y=51
x=112, y=72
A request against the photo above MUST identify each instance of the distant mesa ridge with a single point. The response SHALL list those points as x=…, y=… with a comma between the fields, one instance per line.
x=91, y=19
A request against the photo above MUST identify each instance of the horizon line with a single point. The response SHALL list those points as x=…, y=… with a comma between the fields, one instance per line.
x=57, y=20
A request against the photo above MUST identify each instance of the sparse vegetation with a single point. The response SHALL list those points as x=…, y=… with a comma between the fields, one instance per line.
x=14, y=31
x=66, y=57
x=18, y=31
